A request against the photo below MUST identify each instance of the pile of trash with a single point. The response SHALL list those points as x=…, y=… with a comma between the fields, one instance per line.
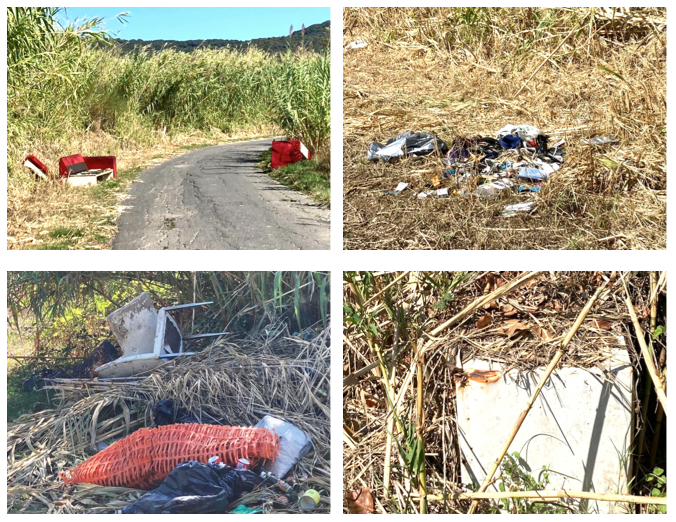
x=519, y=159
x=241, y=426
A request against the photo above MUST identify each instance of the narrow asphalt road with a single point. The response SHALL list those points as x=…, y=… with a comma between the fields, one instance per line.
x=217, y=198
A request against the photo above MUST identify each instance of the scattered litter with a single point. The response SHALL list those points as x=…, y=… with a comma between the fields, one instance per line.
x=147, y=338
x=294, y=444
x=288, y=152
x=603, y=140
x=511, y=210
x=525, y=132
x=78, y=170
x=482, y=165
x=533, y=174
x=358, y=44
x=40, y=169
x=493, y=188
x=148, y=455
x=407, y=144
x=309, y=500
x=243, y=510
x=193, y=487
x=165, y=413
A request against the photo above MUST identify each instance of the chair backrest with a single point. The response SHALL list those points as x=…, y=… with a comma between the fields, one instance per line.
x=135, y=325
x=168, y=338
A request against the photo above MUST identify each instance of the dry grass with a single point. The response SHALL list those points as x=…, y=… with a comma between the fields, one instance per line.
x=234, y=383
x=425, y=71
x=402, y=311
x=52, y=215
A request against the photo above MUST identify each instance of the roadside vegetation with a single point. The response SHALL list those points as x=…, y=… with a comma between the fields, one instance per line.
x=73, y=90
x=312, y=177
x=55, y=319
x=576, y=73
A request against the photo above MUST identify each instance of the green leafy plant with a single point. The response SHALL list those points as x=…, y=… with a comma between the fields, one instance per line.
x=517, y=476
x=657, y=480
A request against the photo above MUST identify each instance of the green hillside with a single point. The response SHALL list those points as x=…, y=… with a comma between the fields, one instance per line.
x=316, y=37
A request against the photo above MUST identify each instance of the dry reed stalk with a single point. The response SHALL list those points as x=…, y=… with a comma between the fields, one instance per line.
x=420, y=421
x=648, y=381
x=548, y=495
x=647, y=356
x=478, y=303
x=543, y=380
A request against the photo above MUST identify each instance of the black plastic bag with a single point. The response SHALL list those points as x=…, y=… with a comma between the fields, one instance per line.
x=164, y=413
x=193, y=487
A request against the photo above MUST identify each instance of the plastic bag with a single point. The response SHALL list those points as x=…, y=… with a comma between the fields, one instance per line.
x=409, y=143
x=525, y=132
x=294, y=444
x=193, y=487
x=164, y=413
x=511, y=210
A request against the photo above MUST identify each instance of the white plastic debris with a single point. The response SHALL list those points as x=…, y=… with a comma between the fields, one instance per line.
x=358, y=44
x=525, y=132
x=603, y=140
x=493, y=188
x=401, y=187
x=442, y=193
x=511, y=210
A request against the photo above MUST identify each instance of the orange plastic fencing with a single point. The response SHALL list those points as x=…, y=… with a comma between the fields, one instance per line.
x=148, y=455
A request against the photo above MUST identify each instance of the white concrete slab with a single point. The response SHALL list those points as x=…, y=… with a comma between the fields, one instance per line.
x=580, y=427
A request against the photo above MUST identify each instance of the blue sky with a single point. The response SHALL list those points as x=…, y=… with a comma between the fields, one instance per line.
x=202, y=23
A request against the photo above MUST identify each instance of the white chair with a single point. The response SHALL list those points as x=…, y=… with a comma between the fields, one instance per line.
x=147, y=338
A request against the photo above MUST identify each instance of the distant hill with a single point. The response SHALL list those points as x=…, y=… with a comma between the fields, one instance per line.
x=316, y=36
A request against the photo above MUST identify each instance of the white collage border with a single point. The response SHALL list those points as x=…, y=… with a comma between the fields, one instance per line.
x=337, y=259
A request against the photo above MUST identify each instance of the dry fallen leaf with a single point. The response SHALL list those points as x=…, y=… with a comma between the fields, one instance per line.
x=484, y=321
x=360, y=502
x=541, y=332
x=601, y=324
x=514, y=326
x=370, y=403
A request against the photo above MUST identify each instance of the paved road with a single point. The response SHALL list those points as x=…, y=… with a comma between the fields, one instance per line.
x=216, y=198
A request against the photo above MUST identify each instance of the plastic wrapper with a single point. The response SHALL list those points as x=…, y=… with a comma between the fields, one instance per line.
x=294, y=444
x=409, y=143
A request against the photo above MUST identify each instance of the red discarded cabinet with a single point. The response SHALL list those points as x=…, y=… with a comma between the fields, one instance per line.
x=287, y=152
x=77, y=163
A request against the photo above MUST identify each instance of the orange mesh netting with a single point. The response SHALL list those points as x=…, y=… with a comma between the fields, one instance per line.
x=150, y=454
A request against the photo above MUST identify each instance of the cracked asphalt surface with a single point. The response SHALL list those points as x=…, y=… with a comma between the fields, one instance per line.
x=217, y=198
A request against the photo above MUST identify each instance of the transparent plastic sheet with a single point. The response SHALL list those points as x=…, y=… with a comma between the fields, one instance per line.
x=193, y=487
x=294, y=444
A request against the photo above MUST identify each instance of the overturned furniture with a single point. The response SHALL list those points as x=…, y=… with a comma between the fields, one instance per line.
x=579, y=428
x=78, y=170
x=148, y=338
